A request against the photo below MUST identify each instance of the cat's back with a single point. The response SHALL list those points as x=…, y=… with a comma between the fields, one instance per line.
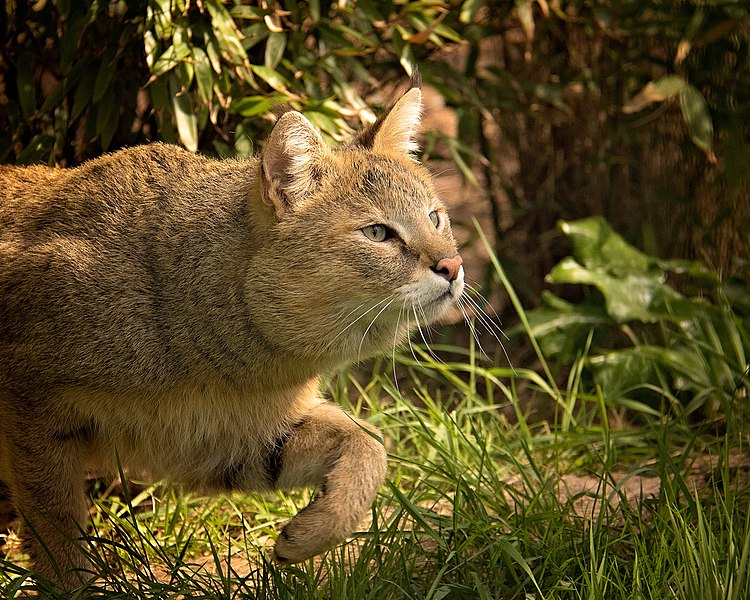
x=101, y=264
x=128, y=182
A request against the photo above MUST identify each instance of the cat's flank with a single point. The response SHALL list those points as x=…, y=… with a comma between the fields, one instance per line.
x=174, y=312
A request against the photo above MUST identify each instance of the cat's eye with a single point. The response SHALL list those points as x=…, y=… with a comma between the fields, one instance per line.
x=376, y=233
x=435, y=218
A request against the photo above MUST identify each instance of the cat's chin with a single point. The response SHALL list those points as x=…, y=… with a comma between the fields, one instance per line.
x=439, y=309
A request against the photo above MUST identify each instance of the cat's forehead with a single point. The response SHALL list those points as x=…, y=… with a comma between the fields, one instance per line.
x=391, y=182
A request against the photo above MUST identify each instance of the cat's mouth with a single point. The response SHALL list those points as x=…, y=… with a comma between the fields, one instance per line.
x=436, y=306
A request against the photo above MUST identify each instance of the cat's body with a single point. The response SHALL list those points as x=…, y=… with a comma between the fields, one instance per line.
x=174, y=313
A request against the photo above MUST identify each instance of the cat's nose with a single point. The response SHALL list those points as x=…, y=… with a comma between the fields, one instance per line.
x=449, y=268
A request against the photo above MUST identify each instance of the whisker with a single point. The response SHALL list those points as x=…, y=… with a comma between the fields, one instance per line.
x=492, y=327
x=421, y=333
x=472, y=328
x=479, y=308
x=408, y=326
x=375, y=318
x=369, y=310
x=395, y=339
x=488, y=323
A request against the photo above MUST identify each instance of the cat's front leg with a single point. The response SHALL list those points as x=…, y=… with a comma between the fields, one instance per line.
x=342, y=455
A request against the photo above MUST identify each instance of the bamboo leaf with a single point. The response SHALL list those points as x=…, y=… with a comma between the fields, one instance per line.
x=38, y=150
x=251, y=106
x=162, y=103
x=26, y=84
x=169, y=59
x=275, y=47
x=104, y=76
x=655, y=91
x=107, y=117
x=83, y=94
x=271, y=77
x=469, y=10
x=69, y=42
x=203, y=76
x=184, y=112
x=226, y=30
x=698, y=120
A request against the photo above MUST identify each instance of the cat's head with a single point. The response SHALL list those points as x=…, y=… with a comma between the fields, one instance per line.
x=361, y=250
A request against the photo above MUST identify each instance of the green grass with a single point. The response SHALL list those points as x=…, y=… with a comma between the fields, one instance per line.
x=473, y=507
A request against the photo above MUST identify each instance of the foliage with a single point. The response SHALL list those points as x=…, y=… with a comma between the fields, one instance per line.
x=634, y=110
x=573, y=108
x=82, y=77
x=639, y=337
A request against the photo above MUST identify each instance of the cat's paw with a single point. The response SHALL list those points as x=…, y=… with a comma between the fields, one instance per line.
x=312, y=531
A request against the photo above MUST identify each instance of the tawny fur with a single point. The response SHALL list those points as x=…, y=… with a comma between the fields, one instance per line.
x=174, y=313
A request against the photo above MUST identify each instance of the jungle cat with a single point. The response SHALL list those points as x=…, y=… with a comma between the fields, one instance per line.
x=173, y=313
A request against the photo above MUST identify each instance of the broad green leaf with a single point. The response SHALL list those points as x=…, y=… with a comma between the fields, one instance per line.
x=151, y=47
x=655, y=91
x=185, y=117
x=26, y=84
x=698, y=119
x=76, y=73
x=364, y=39
x=185, y=72
x=562, y=328
x=371, y=9
x=447, y=32
x=331, y=126
x=407, y=60
x=619, y=370
x=225, y=30
x=275, y=47
x=626, y=300
x=161, y=12
x=223, y=150
x=597, y=245
x=162, y=102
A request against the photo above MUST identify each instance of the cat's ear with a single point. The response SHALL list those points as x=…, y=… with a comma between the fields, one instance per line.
x=395, y=131
x=291, y=161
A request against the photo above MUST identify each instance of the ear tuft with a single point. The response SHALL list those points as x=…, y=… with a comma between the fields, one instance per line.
x=396, y=130
x=290, y=161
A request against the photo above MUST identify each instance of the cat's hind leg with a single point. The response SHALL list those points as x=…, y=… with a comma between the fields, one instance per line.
x=45, y=470
x=342, y=455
